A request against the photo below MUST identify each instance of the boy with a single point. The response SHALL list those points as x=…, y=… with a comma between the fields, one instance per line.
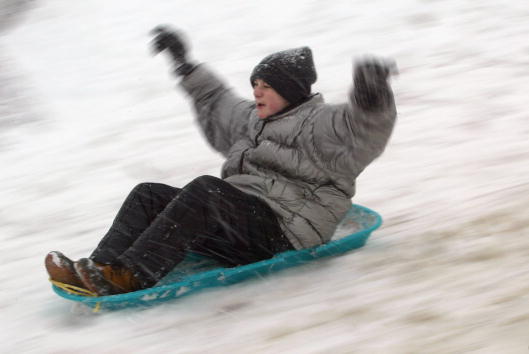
x=288, y=179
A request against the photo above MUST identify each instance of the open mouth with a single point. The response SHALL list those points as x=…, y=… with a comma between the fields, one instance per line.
x=260, y=105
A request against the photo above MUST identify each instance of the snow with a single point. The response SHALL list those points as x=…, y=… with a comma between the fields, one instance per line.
x=149, y=297
x=55, y=259
x=86, y=113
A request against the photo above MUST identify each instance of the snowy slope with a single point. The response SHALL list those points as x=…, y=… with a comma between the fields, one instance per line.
x=86, y=113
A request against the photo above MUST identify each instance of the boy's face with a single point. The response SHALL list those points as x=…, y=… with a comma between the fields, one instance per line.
x=268, y=101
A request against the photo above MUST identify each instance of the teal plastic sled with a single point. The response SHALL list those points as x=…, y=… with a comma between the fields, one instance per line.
x=196, y=273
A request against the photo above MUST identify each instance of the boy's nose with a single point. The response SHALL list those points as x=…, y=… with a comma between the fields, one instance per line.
x=257, y=92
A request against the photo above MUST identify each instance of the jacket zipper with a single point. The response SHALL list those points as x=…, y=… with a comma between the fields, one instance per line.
x=260, y=132
x=241, y=161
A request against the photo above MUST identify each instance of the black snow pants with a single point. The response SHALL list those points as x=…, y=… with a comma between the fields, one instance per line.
x=158, y=224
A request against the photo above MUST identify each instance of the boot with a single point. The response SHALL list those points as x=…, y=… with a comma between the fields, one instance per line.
x=61, y=269
x=106, y=279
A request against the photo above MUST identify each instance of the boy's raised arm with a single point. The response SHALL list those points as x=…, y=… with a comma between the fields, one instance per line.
x=350, y=136
x=222, y=115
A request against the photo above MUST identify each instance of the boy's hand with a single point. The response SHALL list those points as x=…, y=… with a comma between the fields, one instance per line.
x=371, y=89
x=166, y=38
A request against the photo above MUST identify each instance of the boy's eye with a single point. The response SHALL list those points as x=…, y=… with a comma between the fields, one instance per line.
x=262, y=85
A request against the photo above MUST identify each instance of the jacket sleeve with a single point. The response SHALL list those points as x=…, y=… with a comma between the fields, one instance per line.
x=346, y=138
x=222, y=116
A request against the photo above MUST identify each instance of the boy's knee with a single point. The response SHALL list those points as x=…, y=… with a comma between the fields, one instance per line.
x=204, y=182
x=151, y=186
x=142, y=187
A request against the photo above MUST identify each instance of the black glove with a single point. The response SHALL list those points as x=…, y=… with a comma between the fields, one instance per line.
x=371, y=88
x=166, y=38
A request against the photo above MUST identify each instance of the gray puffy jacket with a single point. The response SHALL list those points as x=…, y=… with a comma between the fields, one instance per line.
x=303, y=163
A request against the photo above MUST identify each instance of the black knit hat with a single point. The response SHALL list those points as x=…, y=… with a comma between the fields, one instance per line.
x=290, y=72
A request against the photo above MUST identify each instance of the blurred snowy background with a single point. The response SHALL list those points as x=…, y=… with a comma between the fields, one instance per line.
x=86, y=112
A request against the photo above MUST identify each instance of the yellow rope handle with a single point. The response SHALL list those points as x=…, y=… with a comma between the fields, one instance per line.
x=72, y=289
